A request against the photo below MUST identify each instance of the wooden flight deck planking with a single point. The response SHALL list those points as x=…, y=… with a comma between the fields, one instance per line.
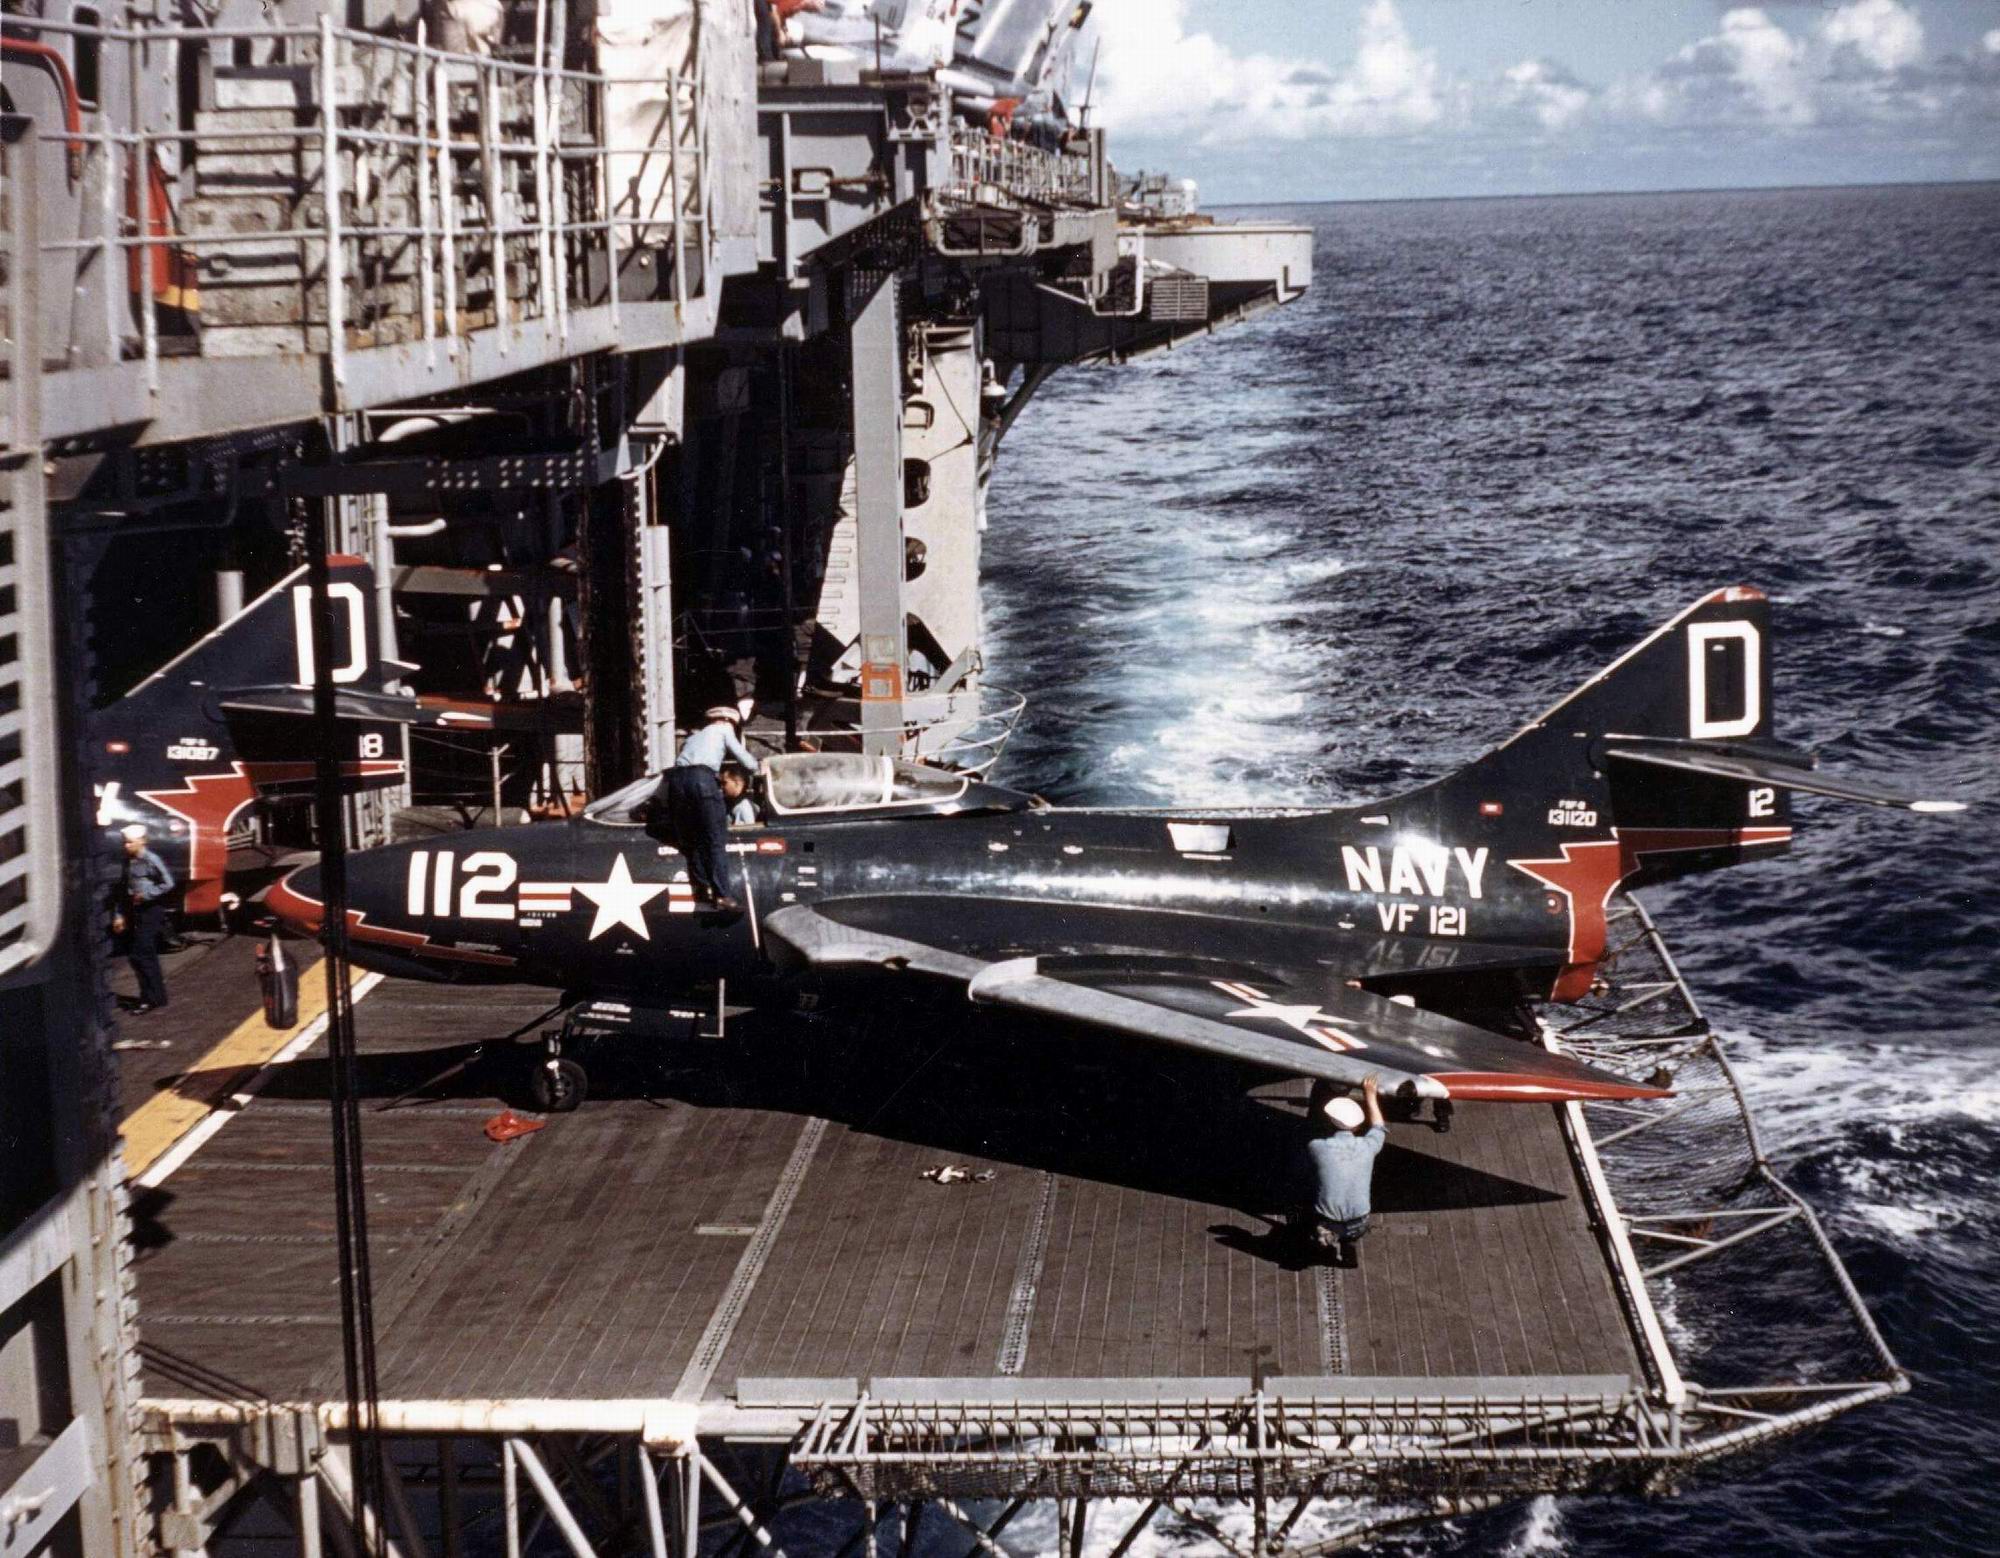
x=648, y=1246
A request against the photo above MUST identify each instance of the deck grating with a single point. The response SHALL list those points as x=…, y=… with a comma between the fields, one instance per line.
x=757, y=1209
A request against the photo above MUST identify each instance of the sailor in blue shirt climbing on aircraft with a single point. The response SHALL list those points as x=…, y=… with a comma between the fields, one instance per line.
x=689, y=802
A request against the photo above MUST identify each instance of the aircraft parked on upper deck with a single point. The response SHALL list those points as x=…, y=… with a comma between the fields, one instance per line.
x=1290, y=940
x=225, y=723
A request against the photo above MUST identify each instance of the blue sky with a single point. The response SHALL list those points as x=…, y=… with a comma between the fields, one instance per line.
x=1263, y=100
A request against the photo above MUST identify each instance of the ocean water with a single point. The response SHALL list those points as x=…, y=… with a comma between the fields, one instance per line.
x=1357, y=542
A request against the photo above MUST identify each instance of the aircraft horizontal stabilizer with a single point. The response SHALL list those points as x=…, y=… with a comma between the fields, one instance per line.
x=1694, y=757
x=387, y=707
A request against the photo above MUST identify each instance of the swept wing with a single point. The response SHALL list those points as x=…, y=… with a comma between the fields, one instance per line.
x=1294, y=1021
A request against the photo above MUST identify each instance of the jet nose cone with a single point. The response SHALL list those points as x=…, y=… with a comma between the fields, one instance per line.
x=296, y=900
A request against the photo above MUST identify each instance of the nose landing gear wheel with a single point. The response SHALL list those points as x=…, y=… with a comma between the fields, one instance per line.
x=558, y=1084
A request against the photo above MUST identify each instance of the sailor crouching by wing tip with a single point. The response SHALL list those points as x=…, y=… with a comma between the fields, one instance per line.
x=1345, y=1139
x=139, y=913
x=689, y=809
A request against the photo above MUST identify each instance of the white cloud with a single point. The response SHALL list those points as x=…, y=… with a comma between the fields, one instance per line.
x=1156, y=75
x=1857, y=69
x=1547, y=92
x=1883, y=33
x=1750, y=69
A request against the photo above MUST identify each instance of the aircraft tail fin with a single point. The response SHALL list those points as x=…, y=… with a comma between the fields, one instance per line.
x=237, y=695
x=266, y=695
x=175, y=755
x=1675, y=736
x=1660, y=766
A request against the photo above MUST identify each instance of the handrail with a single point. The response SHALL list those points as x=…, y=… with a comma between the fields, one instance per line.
x=985, y=166
x=32, y=794
x=375, y=249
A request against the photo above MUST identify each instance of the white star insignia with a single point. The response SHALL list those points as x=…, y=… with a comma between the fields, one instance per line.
x=1299, y=1017
x=619, y=900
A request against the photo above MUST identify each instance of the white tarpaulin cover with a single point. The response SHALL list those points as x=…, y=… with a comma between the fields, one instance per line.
x=646, y=44
x=913, y=35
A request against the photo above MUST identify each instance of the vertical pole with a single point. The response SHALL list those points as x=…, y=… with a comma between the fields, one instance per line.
x=382, y=551
x=307, y=1486
x=691, y=1501
x=493, y=757
x=656, y=623
x=228, y=593
x=329, y=183
x=510, y=1499
x=448, y=1511
x=558, y=57
x=489, y=145
x=426, y=273
x=649, y=1494
x=184, y=1499
x=1260, y=1504
x=609, y=205
x=447, y=206
x=139, y=188
x=876, y=360
x=545, y=259
x=785, y=542
x=674, y=190
x=107, y=200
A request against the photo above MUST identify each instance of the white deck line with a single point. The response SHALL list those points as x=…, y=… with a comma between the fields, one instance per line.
x=229, y=1108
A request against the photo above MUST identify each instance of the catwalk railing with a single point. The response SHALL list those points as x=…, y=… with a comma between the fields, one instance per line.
x=1703, y=1221
x=384, y=205
x=993, y=169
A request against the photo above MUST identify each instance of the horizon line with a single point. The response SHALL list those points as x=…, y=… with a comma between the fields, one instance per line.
x=1606, y=194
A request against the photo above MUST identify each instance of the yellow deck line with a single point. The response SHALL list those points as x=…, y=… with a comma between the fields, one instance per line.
x=211, y=1082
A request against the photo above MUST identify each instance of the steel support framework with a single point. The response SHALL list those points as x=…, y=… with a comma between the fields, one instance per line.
x=551, y=265
x=876, y=364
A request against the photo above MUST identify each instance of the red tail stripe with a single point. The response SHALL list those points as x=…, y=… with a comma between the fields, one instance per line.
x=307, y=914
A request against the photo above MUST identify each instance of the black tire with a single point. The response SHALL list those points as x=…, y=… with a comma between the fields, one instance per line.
x=558, y=1084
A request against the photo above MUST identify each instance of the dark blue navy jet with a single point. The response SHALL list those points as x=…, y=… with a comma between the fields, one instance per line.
x=1326, y=943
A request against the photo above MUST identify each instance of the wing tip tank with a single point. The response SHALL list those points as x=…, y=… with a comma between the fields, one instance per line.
x=1509, y=1087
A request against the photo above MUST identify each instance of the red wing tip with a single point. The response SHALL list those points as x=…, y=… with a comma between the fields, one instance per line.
x=1507, y=1087
x=1737, y=592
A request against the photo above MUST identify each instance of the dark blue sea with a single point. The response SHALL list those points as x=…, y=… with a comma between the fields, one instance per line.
x=1357, y=542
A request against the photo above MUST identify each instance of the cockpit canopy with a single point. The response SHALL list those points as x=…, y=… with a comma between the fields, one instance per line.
x=801, y=784
x=852, y=781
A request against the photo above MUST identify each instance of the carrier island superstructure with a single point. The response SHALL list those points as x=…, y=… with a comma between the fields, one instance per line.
x=653, y=356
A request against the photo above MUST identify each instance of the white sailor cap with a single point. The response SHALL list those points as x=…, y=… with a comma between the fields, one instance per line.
x=1345, y=1113
x=135, y=832
x=727, y=711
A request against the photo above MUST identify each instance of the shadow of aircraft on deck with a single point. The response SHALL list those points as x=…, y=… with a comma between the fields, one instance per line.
x=969, y=1085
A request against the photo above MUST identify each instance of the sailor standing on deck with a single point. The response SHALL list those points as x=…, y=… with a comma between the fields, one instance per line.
x=689, y=799
x=141, y=916
x=1346, y=1139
